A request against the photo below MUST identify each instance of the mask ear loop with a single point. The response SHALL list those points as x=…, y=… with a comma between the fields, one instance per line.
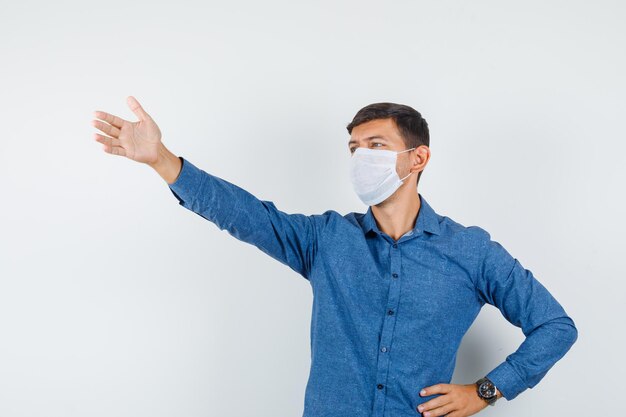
x=406, y=150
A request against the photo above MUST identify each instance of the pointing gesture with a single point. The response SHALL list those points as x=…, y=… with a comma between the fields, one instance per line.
x=138, y=141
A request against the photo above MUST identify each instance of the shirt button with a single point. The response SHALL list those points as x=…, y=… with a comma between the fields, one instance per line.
x=394, y=275
x=379, y=386
x=383, y=349
x=395, y=245
x=390, y=312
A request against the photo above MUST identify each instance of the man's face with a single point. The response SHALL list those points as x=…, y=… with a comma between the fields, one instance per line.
x=383, y=134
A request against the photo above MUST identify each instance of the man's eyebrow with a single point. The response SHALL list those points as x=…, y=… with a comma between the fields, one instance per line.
x=367, y=139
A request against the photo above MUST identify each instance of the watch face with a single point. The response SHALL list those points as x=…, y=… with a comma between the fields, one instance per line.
x=487, y=389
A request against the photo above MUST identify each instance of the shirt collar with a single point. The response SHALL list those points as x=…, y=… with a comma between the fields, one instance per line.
x=426, y=219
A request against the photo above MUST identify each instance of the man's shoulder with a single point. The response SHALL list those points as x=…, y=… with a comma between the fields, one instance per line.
x=465, y=242
x=451, y=228
x=332, y=216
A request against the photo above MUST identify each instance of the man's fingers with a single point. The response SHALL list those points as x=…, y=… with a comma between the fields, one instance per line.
x=109, y=118
x=137, y=109
x=436, y=389
x=106, y=128
x=105, y=140
x=440, y=411
x=434, y=404
x=114, y=150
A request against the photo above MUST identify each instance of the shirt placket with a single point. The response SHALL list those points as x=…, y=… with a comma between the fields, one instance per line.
x=384, y=348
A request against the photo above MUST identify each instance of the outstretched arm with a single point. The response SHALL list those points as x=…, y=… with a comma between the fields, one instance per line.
x=289, y=238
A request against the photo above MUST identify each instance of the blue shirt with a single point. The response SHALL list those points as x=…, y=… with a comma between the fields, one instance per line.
x=388, y=316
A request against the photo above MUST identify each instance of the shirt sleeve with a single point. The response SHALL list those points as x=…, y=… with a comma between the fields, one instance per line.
x=288, y=238
x=504, y=283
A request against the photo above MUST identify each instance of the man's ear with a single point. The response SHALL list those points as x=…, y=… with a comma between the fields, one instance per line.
x=421, y=155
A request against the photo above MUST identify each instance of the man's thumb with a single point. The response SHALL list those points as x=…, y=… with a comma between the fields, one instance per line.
x=136, y=108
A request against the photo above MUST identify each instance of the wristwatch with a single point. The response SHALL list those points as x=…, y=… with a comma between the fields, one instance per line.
x=486, y=390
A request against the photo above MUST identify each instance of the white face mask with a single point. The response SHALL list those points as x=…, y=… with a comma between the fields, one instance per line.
x=373, y=174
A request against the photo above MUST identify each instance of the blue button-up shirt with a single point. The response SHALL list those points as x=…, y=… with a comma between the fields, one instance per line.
x=388, y=316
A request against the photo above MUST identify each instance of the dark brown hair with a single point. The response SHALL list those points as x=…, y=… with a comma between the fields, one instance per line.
x=410, y=123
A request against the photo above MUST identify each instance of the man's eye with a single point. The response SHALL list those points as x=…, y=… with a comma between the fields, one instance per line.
x=377, y=143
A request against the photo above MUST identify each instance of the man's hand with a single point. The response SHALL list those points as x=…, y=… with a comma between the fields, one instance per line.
x=139, y=141
x=455, y=401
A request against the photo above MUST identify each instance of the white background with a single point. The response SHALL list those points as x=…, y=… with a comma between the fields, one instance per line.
x=115, y=300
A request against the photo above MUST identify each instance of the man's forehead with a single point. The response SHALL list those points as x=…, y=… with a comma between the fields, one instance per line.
x=383, y=129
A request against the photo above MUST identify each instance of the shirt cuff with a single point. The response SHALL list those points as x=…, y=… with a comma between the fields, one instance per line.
x=187, y=183
x=507, y=380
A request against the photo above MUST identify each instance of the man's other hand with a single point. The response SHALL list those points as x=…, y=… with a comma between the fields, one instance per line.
x=455, y=401
x=139, y=141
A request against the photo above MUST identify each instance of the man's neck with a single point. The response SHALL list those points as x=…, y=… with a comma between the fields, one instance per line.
x=398, y=214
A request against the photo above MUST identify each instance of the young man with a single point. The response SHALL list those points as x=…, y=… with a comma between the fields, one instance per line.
x=394, y=289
